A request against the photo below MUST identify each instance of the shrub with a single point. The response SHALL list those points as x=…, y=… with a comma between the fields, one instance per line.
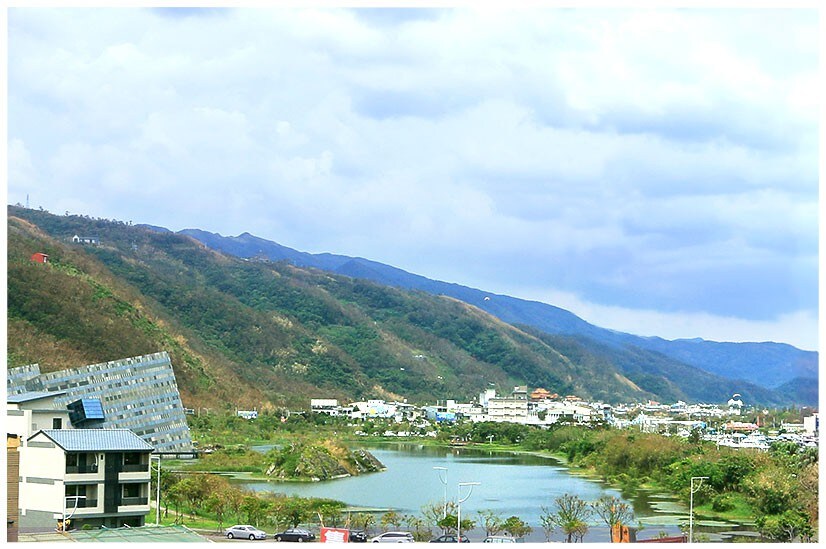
x=722, y=502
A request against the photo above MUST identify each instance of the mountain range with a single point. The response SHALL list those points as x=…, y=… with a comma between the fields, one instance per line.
x=767, y=364
x=248, y=322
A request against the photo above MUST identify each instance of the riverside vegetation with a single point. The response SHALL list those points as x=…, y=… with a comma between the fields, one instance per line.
x=777, y=490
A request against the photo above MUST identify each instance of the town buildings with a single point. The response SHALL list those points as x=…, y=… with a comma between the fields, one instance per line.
x=543, y=409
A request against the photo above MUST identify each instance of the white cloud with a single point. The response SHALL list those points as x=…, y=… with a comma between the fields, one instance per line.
x=584, y=151
x=798, y=328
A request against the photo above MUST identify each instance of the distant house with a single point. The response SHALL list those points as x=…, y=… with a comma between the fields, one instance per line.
x=93, y=240
x=247, y=414
x=40, y=258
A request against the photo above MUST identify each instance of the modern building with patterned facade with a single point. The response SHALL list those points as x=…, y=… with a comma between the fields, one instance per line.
x=139, y=394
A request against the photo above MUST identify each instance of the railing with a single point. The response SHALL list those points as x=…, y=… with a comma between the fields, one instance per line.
x=134, y=501
x=85, y=503
x=76, y=469
x=134, y=468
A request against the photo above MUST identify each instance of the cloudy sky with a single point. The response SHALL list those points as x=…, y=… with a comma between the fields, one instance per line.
x=654, y=172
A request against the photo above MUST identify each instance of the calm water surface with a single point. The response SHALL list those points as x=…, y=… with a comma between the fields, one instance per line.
x=511, y=484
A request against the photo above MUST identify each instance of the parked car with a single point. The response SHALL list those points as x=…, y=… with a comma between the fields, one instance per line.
x=500, y=539
x=295, y=534
x=449, y=538
x=394, y=537
x=244, y=531
x=358, y=536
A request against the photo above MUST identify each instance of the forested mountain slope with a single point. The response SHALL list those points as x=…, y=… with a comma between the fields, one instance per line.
x=250, y=333
x=765, y=364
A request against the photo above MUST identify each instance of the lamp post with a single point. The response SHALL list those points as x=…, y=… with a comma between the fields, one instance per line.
x=76, y=498
x=691, y=507
x=157, y=491
x=459, y=504
x=443, y=481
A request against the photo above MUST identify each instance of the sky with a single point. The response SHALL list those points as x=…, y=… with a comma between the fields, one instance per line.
x=654, y=171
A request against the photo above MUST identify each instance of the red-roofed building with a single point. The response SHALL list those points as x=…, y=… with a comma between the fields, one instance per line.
x=540, y=394
x=40, y=258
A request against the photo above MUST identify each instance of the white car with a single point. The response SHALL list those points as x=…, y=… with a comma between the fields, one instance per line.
x=394, y=537
x=244, y=531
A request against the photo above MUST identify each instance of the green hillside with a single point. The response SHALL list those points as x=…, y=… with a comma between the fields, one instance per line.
x=246, y=333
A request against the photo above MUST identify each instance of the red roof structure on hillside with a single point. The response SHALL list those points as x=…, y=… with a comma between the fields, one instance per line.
x=540, y=394
x=40, y=257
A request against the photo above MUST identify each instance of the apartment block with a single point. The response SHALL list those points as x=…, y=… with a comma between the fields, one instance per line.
x=96, y=477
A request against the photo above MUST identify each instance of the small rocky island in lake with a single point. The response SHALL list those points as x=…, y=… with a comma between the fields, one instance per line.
x=319, y=461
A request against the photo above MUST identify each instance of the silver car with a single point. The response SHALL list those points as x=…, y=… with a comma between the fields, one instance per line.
x=244, y=531
x=394, y=537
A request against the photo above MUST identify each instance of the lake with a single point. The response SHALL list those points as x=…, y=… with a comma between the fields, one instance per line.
x=510, y=484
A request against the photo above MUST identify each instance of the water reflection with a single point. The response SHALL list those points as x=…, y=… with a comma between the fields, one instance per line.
x=511, y=484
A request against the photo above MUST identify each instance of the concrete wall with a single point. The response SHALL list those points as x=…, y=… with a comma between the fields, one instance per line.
x=41, y=479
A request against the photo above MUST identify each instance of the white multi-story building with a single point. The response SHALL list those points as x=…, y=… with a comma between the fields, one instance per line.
x=550, y=412
x=26, y=413
x=511, y=410
x=324, y=406
x=98, y=477
x=811, y=425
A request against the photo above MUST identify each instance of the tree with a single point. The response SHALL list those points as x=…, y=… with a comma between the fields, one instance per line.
x=450, y=522
x=785, y=527
x=234, y=497
x=175, y=496
x=295, y=511
x=364, y=521
x=516, y=527
x=421, y=532
x=331, y=513
x=433, y=512
x=547, y=522
x=491, y=521
x=217, y=504
x=570, y=516
x=612, y=510
x=391, y=518
x=254, y=508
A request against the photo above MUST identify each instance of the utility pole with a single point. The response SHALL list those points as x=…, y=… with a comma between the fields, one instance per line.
x=691, y=507
x=443, y=481
x=158, y=494
x=459, y=507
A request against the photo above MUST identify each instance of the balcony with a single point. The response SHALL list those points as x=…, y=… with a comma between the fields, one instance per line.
x=134, y=468
x=85, y=503
x=134, y=501
x=81, y=469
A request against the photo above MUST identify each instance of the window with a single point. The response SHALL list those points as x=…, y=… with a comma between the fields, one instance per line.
x=131, y=490
x=57, y=423
x=71, y=460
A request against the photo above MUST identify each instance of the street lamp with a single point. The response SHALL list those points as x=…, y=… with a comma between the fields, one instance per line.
x=444, y=481
x=157, y=491
x=76, y=498
x=691, y=507
x=459, y=504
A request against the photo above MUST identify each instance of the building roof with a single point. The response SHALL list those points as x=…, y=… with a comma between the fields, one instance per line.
x=88, y=440
x=32, y=395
